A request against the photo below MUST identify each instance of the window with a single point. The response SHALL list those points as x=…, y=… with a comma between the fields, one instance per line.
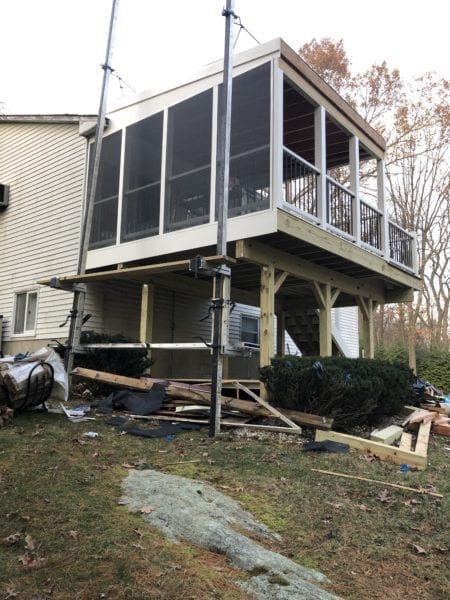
x=250, y=330
x=25, y=312
x=188, y=162
x=104, y=221
x=142, y=174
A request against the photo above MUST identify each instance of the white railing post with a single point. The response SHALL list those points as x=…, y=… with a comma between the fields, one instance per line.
x=382, y=205
x=414, y=252
x=321, y=164
x=354, y=186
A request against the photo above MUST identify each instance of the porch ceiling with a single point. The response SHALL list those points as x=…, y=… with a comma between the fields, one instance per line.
x=298, y=131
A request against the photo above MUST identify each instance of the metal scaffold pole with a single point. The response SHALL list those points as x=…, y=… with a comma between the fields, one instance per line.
x=77, y=312
x=221, y=299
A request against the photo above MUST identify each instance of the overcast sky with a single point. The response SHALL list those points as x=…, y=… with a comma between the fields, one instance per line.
x=51, y=50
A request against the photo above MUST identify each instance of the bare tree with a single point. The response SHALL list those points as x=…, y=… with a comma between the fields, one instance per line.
x=414, y=118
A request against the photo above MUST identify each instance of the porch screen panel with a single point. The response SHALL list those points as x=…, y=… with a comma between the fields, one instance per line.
x=188, y=165
x=142, y=178
x=104, y=223
x=250, y=142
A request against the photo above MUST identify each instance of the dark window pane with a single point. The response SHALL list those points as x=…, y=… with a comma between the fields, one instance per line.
x=19, y=319
x=188, y=197
x=141, y=213
x=105, y=206
x=250, y=329
x=188, y=162
x=250, y=142
x=142, y=173
x=104, y=223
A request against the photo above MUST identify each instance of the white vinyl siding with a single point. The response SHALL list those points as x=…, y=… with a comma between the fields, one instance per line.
x=44, y=165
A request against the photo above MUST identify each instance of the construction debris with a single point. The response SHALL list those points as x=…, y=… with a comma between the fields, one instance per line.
x=6, y=415
x=200, y=394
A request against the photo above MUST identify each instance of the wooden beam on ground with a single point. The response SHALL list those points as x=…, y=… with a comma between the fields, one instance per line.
x=266, y=405
x=377, y=481
x=199, y=395
x=406, y=441
x=422, y=439
x=396, y=455
x=257, y=253
x=273, y=428
x=388, y=435
x=440, y=429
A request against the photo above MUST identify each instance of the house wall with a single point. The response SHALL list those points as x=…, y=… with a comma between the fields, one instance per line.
x=44, y=165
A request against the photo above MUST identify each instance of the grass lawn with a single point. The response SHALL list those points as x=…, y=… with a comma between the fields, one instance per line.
x=59, y=493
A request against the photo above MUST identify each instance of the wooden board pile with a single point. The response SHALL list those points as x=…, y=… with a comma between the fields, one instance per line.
x=192, y=401
x=412, y=438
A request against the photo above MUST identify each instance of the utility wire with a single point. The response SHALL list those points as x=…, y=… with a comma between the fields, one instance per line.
x=238, y=22
x=119, y=78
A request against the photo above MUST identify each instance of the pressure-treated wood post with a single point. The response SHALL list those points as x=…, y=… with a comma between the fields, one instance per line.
x=326, y=296
x=266, y=324
x=367, y=307
x=147, y=305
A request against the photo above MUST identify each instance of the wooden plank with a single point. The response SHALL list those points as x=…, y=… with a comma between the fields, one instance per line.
x=270, y=408
x=394, y=485
x=422, y=438
x=273, y=428
x=440, y=429
x=267, y=321
x=388, y=435
x=396, y=455
x=139, y=272
x=199, y=395
x=406, y=441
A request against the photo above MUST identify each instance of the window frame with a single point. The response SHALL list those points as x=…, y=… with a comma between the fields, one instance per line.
x=25, y=332
x=241, y=330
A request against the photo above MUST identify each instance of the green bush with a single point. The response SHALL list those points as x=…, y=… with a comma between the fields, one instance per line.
x=434, y=366
x=131, y=363
x=352, y=391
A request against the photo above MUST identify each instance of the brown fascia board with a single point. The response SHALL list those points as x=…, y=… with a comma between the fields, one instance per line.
x=294, y=60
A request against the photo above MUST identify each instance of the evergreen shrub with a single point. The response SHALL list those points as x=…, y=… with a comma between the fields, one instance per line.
x=120, y=361
x=352, y=391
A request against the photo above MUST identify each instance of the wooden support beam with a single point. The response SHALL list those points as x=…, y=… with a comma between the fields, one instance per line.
x=303, y=230
x=396, y=455
x=280, y=279
x=147, y=305
x=255, y=252
x=325, y=297
x=368, y=307
x=266, y=323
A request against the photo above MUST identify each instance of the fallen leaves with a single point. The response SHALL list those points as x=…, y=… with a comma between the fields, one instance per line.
x=10, y=540
x=384, y=497
x=419, y=549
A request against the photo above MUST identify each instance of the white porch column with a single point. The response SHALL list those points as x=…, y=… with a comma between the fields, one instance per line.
x=320, y=159
x=382, y=205
x=354, y=186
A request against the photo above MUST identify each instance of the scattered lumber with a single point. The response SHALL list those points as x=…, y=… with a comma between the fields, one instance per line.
x=394, y=485
x=384, y=451
x=441, y=429
x=199, y=395
x=406, y=441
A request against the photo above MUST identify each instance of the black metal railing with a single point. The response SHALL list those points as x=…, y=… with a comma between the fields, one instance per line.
x=401, y=245
x=371, y=223
x=299, y=183
x=340, y=206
